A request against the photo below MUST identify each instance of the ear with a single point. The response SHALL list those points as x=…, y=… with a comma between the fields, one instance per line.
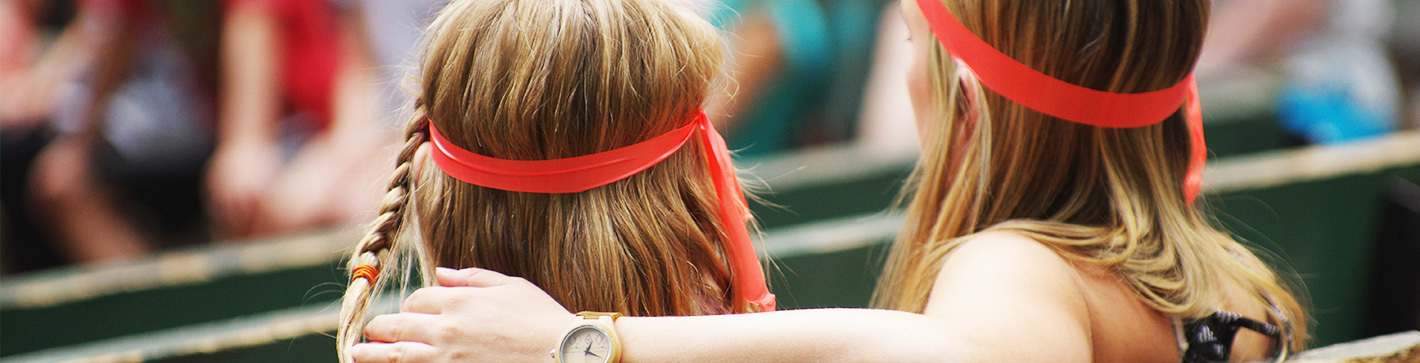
x=969, y=86
x=417, y=165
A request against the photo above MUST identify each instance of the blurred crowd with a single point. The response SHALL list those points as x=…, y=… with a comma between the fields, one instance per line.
x=130, y=126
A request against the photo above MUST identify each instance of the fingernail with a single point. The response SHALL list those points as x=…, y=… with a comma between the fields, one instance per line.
x=354, y=350
x=443, y=270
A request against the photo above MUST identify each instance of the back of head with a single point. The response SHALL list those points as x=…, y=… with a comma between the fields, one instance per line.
x=1108, y=196
x=551, y=79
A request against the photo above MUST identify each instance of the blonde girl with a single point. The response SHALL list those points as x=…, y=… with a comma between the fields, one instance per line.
x=1050, y=218
x=563, y=141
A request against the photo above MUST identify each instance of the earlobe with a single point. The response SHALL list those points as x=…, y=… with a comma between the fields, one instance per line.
x=417, y=165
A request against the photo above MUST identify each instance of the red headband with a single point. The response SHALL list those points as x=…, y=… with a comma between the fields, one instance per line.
x=1045, y=94
x=582, y=173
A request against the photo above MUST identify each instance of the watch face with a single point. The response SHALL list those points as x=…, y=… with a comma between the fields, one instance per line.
x=585, y=344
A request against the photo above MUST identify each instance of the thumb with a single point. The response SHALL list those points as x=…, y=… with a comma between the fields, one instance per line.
x=470, y=277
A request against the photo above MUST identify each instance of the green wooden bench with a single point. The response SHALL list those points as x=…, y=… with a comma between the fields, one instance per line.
x=1319, y=219
x=289, y=335
x=180, y=288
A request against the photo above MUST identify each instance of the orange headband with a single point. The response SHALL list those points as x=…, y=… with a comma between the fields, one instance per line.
x=1045, y=94
x=582, y=173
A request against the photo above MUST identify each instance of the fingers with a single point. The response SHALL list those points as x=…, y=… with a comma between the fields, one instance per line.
x=408, y=327
x=436, y=299
x=471, y=277
x=432, y=300
x=393, y=352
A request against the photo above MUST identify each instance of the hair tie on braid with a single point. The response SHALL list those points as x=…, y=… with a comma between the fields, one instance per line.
x=366, y=272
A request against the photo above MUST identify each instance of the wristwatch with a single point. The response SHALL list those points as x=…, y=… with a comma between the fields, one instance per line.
x=592, y=339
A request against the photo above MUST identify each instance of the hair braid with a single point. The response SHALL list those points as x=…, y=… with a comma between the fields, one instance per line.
x=378, y=247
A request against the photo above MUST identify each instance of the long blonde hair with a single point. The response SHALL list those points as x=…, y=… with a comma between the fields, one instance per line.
x=1108, y=197
x=549, y=79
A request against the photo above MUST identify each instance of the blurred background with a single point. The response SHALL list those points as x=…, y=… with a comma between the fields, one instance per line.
x=181, y=179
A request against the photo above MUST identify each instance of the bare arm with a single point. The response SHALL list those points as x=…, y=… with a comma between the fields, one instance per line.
x=988, y=298
x=247, y=157
x=251, y=92
x=792, y=335
x=990, y=293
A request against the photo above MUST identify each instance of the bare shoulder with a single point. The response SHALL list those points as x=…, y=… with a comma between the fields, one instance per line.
x=1007, y=242
x=1005, y=252
x=1011, y=263
x=1003, y=286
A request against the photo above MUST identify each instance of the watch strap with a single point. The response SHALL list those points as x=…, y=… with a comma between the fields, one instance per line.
x=592, y=315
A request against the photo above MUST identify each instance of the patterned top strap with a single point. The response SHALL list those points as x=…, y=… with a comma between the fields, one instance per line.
x=1210, y=339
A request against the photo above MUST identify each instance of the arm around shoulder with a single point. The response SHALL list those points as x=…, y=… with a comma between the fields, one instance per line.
x=1000, y=297
x=849, y=335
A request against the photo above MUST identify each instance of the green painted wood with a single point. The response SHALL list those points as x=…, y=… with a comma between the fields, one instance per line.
x=311, y=347
x=289, y=335
x=834, y=279
x=1256, y=133
x=305, y=348
x=867, y=194
x=1327, y=230
x=1324, y=226
x=31, y=329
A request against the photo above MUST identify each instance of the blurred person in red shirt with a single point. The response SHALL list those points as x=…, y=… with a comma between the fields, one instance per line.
x=297, y=132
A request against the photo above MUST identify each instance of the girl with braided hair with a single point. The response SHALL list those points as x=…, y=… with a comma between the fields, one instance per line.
x=1051, y=219
x=563, y=141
